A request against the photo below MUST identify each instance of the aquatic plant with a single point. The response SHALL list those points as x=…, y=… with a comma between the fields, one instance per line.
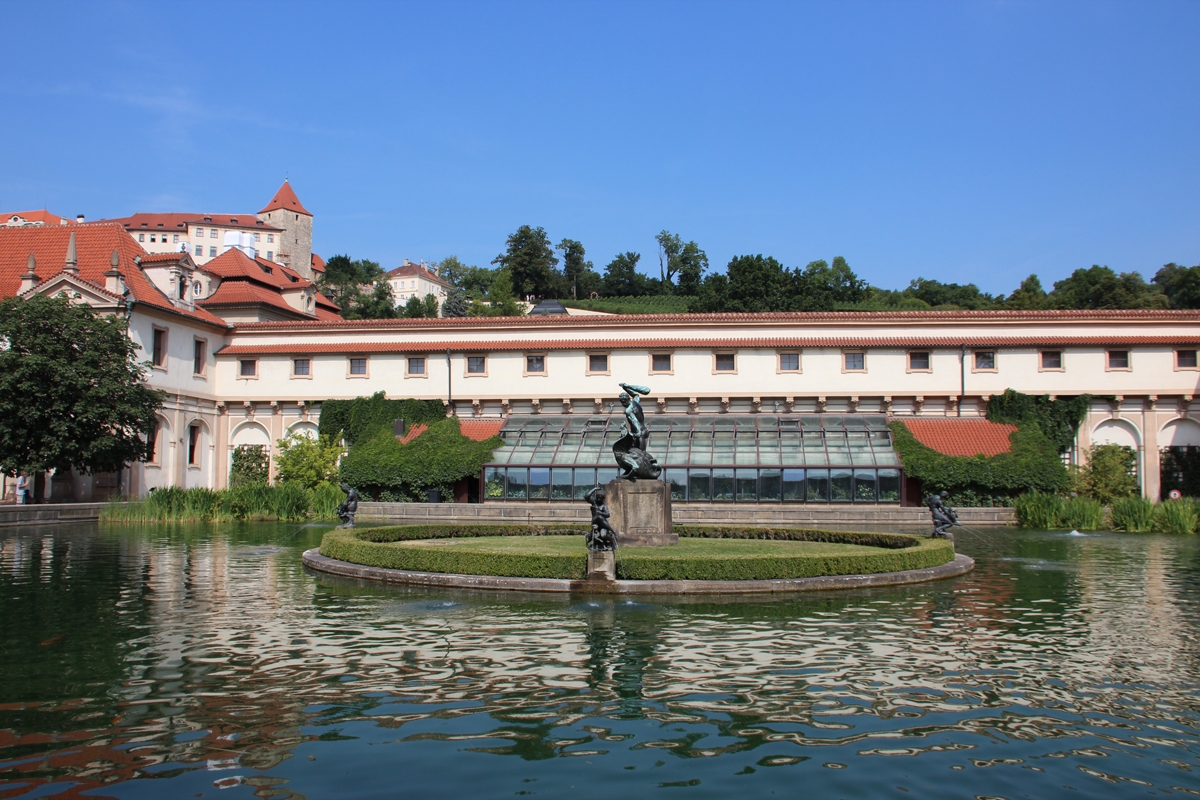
x=1040, y=510
x=256, y=501
x=1132, y=514
x=1083, y=514
x=1177, y=516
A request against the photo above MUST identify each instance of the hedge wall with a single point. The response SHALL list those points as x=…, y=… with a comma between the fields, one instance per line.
x=353, y=419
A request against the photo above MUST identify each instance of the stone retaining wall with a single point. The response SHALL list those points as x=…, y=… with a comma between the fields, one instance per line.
x=41, y=514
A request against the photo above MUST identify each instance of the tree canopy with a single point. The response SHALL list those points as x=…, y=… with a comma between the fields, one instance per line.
x=531, y=263
x=358, y=287
x=71, y=390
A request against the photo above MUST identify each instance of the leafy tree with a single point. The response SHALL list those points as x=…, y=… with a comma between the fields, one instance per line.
x=456, y=304
x=670, y=245
x=307, y=460
x=473, y=281
x=1100, y=287
x=1109, y=473
x=950, y=296
x=379, y=303
x=1029, y=297
x=357, y=287
x=1180, y=284
x=251, y=465
x=678, y=259
x=621, y=277
x=750, y=284
x=501, y=302
x=826, y=286
x=71, y=391
x=581, y=277
x=531, y=264
x=421, y=307
x=693, y=263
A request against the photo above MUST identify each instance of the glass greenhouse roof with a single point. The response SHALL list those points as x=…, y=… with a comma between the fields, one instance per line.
x=812, y=440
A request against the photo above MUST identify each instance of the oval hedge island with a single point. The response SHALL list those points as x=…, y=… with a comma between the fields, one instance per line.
x=707, y=560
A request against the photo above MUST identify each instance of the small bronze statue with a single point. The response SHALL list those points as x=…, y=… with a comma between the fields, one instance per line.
x=630, y=449
x=602, y=536
x=943, y=516
x=349, y=508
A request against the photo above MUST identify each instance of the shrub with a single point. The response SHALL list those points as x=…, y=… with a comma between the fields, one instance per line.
x=1108, y=473
x=1083, y=514
x=1040, y=511
x=251, y=464
x=307, y=461
x=1177, y=516
x=1132, y=514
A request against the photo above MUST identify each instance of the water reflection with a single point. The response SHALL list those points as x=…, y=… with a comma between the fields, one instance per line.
x=177, y=662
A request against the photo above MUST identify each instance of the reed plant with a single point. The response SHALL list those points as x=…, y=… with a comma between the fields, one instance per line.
x=254, y=501
x=1083, y=514
x=324, y=499
x=1177, y=516
x=1039, y=510
x=1132, y=514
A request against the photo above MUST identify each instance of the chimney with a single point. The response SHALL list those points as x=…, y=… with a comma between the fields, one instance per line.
x=72, y=263
x=79, y=218
x=112, y=278
x=30, y=278
x=398, y=428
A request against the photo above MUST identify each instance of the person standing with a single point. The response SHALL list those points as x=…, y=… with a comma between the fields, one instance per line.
x=22, y=489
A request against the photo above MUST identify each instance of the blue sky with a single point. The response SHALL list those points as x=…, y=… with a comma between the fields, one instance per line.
x=968, y=142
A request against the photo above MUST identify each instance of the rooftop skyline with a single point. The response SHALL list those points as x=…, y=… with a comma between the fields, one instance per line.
x=963, y=142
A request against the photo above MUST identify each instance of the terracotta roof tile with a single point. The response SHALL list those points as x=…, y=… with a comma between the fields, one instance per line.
x=43, y=216
x=960, y=437
x=416, y=270
x=285, y=198
x=317, y=263
x=477, y=430
x=176, y=222
x=414, y=432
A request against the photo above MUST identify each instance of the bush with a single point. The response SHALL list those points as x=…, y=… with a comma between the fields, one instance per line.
x=251, y=464
x=1177, y=516
x=307, y=461
x=1108, y=473
x=1083, y=514
x=1132, y=514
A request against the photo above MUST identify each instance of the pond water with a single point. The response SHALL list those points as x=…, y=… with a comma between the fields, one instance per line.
x=205, y=661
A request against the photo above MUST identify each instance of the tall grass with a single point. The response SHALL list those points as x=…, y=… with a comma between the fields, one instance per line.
x=1132, y=514
x=1177, y=516
x=257, y=501
x=1083, y=514
x=1040, y=511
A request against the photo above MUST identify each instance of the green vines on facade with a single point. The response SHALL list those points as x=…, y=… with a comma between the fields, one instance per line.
x=353, y=419
x=1059, y=419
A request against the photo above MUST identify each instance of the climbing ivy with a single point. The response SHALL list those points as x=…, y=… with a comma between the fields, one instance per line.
x=1059, y=419
x=351, y=420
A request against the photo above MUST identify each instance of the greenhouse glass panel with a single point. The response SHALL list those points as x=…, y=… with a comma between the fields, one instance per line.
x=518, y=483
x=493, y=483
x=585, y=481
x=746, y=485
x=677, y=480
x=606, y=474
x=769, y=484
x=560, y=484
x=864, y=486
x=722, y=490
x=539, y=484
x=889, y=486
x=840, y=485
x=793, y=485
x=817, y=484
x=699, y=485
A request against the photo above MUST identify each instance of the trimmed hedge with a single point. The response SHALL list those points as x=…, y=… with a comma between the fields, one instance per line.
x=381, y=547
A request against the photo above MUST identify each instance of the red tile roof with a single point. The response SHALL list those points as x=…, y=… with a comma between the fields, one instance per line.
x=317, y=263
x=416, y=270
x=43, y=216
x=414, y=432
x=179, y=222
x=477, y=430
x=94, y=245
x=286, y=199
x=256, y=281
x=955, y=436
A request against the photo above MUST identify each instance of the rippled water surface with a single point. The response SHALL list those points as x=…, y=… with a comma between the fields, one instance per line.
x=202, y=662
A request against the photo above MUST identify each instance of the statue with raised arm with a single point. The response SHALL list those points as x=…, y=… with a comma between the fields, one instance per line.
x=602, y=535
x=630, y=450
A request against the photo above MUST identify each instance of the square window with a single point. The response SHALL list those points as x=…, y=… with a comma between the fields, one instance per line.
x=199, y=249
x=159, y=351
x=416, y=365
x=1185, y=359
x=598, y=362
x=248, y=368
x=985, y=359
x=1118, y=359
x=476, y=365
x=199, y=356
x=199, y=231
x=175, y=238
x=918, y=361
x=1052, y=359
x=141, y=237
x=212, y=233
x=725, y=362
x=660, y=362
x=535, y=364
x=212, y=252
x=270, y=237
x=789, y=362
x=358, y=366
x=152, y=237
x=855, y=362
x=301, y=366
x=257, y=237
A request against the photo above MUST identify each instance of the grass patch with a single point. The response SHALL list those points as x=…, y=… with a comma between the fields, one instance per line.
x=256, y=501
x=706, y=554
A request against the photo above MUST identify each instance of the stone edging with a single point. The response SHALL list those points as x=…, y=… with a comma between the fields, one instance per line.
x=314, y=560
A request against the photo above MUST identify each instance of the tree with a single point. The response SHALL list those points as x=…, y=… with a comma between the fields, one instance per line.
x=952, y=296
x=421, y=307
x=670, y=245
x=71, y=389
x=379, y=303
x=307, y=460
x=820, y=286
x=1109, y=473
x=677, y=259
x=501, y=302
x=531, y=263
x=357, y=287
x=456, y=303
x=579, y=273
x=1180, y=284
x=473, y=281
x=1029, y=297
x=750, y=284
x=1100, y=287
x=621, y=278
x=693, y=263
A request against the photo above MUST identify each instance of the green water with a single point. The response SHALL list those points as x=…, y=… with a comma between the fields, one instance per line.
x=206, y=661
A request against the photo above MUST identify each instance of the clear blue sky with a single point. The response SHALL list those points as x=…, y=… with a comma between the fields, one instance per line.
x=959, y=141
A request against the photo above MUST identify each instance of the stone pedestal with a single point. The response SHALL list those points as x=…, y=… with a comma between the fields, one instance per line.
x=641, y=513
x=601, y=565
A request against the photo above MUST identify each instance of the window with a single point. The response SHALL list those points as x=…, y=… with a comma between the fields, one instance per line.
x=1185, y=359
x=248, y=368
x=358, y=366
x=918, y=361
x=141, y=237
x=1118, y=359
x=597, y=363
x=724, y=362
x=194, y=445
x=159, y=351
x=789, y=362
x=197, y=288
x=985, y=360
x=476, y=365
x=212, y=252
x=270, y=255
x=416, y=365
x=301, y=367
x=257, y=237
x=1052, y=360
x=270, y=237
x=199, y=231
x=535, y=365
x=152, y=443
x=175, y=238
x=854, y=362
x=199, y=249
x=152, y=237
x=212, y=233
x=199, y=356
x=660, y=362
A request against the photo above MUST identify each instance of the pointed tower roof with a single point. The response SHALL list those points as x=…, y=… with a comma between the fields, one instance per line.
x=286, y=199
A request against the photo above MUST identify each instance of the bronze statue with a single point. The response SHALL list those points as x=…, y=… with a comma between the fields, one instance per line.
x=943, y=516
x=349, y=507
x=602, y=535
x=630, y=449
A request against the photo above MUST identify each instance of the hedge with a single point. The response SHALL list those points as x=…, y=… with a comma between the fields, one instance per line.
x=376, y=547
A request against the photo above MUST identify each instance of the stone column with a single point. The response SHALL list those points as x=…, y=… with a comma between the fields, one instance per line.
x=1151, y=467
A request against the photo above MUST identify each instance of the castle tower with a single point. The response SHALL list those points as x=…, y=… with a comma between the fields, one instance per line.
x=295, y=247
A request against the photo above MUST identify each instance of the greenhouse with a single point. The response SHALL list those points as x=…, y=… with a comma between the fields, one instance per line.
x=816, y=458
